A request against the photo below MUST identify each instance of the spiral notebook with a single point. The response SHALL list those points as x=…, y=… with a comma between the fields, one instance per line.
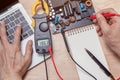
x=86, y=37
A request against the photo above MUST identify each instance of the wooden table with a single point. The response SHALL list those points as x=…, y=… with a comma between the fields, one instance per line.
x=64, y=64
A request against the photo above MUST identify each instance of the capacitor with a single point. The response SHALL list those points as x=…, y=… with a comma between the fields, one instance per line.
x=72, y=19
x=66, y=23
x=88, y=3
x=60, y=21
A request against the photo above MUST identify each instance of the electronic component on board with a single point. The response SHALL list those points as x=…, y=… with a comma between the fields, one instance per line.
x=78, y=9
x=69, y=14
x=83, y=7
x=88, y=3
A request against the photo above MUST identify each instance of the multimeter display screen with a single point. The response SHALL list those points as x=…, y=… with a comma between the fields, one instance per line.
x=44, y=42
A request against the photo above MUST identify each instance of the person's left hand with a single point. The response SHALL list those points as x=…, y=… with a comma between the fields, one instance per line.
x=13, y=65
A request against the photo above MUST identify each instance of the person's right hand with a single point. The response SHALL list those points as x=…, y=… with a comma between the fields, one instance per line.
x=109, y=29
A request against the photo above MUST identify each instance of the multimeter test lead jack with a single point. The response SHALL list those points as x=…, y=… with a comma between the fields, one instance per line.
x=105, y=15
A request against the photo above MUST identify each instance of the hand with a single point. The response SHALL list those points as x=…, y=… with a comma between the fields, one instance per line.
x=109, y=29
x=13, y=64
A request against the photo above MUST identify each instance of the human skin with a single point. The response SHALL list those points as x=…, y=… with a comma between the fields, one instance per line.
x=13, y=65
x=109, y=29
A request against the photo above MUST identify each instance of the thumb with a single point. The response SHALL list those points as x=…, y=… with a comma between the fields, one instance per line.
x=102, y=22
x=28, y=53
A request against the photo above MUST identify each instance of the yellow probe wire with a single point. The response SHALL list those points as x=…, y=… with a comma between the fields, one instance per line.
x=37, y=3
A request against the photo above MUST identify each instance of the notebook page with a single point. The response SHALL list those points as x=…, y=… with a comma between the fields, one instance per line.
x=86, y=37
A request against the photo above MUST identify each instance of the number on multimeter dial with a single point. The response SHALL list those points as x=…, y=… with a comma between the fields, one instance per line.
x=44, y=42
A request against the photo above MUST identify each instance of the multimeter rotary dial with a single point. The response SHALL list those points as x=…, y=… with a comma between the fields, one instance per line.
x=43, y=27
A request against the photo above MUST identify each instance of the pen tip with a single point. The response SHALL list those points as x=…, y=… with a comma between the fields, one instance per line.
x=112, y=77
x=85, y=49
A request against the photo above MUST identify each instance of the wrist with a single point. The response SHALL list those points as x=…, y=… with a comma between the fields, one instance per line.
x=10, y=76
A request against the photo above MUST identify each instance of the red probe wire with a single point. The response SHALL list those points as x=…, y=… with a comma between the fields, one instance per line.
x=118, y=78
x=51, y=54
x=105, y=15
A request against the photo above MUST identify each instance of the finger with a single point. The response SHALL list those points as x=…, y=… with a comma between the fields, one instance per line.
x=100, y=33
x=102, y=23
x=115, y=19
x=95, y=21
x=0, y=37
x=28, y=56
x=28, y=52
x=2, y=62
x=1, y=47
x=17, y=37
x=111, y=22
x=109, y=10
x=98, y=29
x=18, y=59
x=3, y=33
x=0, y=30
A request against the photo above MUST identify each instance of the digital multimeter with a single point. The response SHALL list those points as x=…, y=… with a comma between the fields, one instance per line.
x=42, y=34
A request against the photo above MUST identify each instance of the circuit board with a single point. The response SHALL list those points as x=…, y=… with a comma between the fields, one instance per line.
x=69, y=14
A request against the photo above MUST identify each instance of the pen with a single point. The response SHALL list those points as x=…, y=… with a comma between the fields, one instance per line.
x=105, y=15
x=99, y=64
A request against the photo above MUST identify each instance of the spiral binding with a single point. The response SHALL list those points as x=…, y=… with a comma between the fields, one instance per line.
x=79, y=30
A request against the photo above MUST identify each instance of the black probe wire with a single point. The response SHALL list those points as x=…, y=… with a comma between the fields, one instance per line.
x=45, y=66
x=63, y=34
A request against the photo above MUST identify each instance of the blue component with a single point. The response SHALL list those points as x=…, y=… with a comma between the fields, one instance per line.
x=83, y=7
x=56, y=20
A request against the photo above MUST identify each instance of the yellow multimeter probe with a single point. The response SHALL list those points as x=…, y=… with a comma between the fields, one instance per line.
x=35, y=5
